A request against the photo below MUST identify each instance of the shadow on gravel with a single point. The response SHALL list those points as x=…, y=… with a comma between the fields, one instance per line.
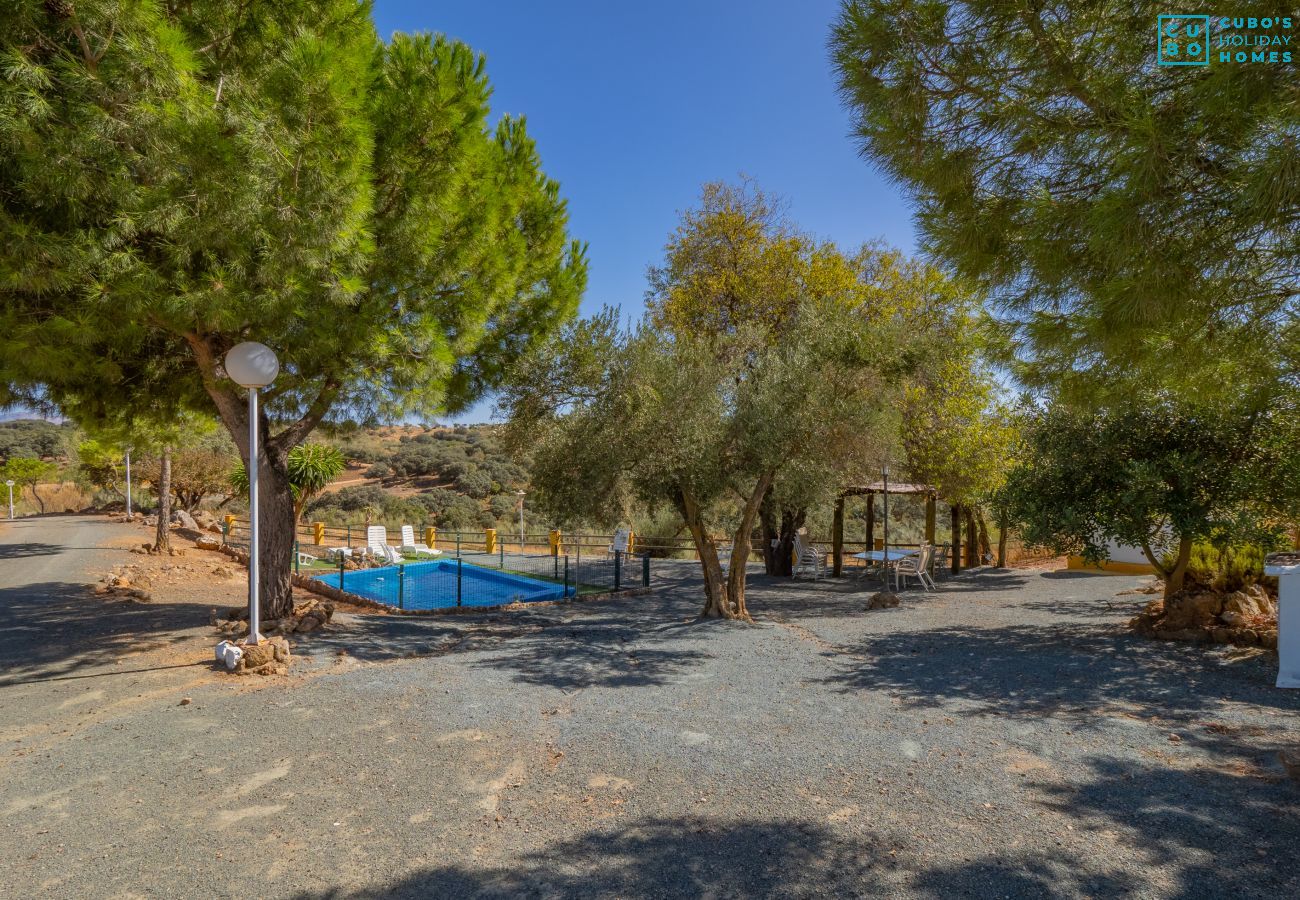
x=625, y=642
x=56, y=629
x=681, y=857
x=1225, y=832
x=1032, y=671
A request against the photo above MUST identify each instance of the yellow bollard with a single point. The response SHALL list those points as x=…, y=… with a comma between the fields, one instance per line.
x=631, y=542
x=490, y=540
x=430, y=536
x=230, y=523
x=557, y=543
x=318, y=533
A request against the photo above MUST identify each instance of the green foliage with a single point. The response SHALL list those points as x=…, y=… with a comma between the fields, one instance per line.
x=1134, y=224
x=100, y=465
x=1225, y=569
x=1150, y=475
x=311, y=469
x=268, y=163
x=33, y=437
x=28, y=472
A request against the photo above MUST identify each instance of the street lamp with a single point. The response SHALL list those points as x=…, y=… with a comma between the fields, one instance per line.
x=253, y=366
x=10, y=484
x=128, y=482
x=520, y=495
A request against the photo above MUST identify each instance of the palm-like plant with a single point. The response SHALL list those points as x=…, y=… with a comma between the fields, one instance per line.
x=311, y=469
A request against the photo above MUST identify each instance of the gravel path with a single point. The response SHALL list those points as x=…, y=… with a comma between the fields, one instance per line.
x=1002, y=738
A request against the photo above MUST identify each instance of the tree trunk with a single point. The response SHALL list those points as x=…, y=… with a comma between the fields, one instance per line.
x=777, y=558
x=1002, y=538
x=1177, y=575
x=716, y=604
x=972, y=553
x=956, y=539
x=162, y=531
x=986, y=548
x=740, y=545
x=276, y=537
x=36, y=495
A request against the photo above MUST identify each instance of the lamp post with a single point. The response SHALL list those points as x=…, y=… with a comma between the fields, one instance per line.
x=252, y=366
x=10, y=484
x=520, y=495
x=885, y=565
x=128, y=482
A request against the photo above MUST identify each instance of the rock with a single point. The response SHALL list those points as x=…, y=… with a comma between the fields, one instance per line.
x=1268, y=640
x=883, y=600
x=222, y=572
x=122, y=581
x=1221, y=636
x=185, y=701
x=257, y=655
x=1189, y=610
x=306, y=624
x=185, y=520
x=203, y=542
x=1251, y=603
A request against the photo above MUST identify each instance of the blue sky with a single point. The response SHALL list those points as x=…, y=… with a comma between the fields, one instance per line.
x=633, y=107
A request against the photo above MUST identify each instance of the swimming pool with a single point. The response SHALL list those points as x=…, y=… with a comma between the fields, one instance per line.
x=435, y=584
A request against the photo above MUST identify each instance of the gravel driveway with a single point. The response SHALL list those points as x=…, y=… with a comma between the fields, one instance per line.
x=1004, y=737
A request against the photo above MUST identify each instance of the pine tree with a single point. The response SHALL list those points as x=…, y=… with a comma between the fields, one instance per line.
x=178, y=178
x=1130, y=219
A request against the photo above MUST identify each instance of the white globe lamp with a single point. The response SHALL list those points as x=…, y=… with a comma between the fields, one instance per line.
x=253, y=366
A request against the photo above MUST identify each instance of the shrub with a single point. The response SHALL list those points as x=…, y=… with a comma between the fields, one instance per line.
x=1226, y=569
x=379, y=470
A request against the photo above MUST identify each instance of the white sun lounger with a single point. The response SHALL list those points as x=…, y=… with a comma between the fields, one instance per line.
x=377, y=543
x=409, y=543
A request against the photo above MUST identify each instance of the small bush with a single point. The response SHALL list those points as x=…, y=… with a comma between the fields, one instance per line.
x=379, y=470
x=1226, y=569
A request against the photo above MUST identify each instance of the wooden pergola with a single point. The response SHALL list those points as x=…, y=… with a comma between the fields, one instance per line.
x=931, y=495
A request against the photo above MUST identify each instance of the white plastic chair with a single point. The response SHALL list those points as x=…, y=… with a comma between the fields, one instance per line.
x=916, y=565
x=410, y=544
x=808, y=559
x=620, y=542
x=377, y=542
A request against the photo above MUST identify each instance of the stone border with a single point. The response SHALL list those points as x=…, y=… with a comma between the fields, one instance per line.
x=316, y=586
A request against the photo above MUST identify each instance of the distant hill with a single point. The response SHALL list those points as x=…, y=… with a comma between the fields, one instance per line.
x=458, y=477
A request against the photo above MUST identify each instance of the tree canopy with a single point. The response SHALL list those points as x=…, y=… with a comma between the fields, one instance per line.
x=183, y=177
x=1128, y=219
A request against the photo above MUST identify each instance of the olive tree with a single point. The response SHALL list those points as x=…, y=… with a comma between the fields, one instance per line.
x=704, y=424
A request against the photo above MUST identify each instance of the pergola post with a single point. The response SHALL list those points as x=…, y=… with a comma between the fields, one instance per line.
x=956, y=539
x=837, y=538
x=871, y=522
x=929, y=519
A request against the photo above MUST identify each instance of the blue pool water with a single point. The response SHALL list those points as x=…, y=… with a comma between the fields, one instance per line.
x=432, y=585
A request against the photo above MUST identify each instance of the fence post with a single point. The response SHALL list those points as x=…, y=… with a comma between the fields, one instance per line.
x=458, y=562
x=577, y=564
x=501, y=548
x=401, y=586
x=225, y=532
x=458, y=545
x=296, y=558
x=566, y=576
x=341, y=561
x=618, y=569
x=349, y=538
x=645, y=570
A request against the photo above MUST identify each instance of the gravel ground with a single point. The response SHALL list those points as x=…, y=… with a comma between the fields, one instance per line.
x=1002, y=738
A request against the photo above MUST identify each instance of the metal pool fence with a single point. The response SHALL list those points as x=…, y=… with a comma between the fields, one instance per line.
x=476, y=578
